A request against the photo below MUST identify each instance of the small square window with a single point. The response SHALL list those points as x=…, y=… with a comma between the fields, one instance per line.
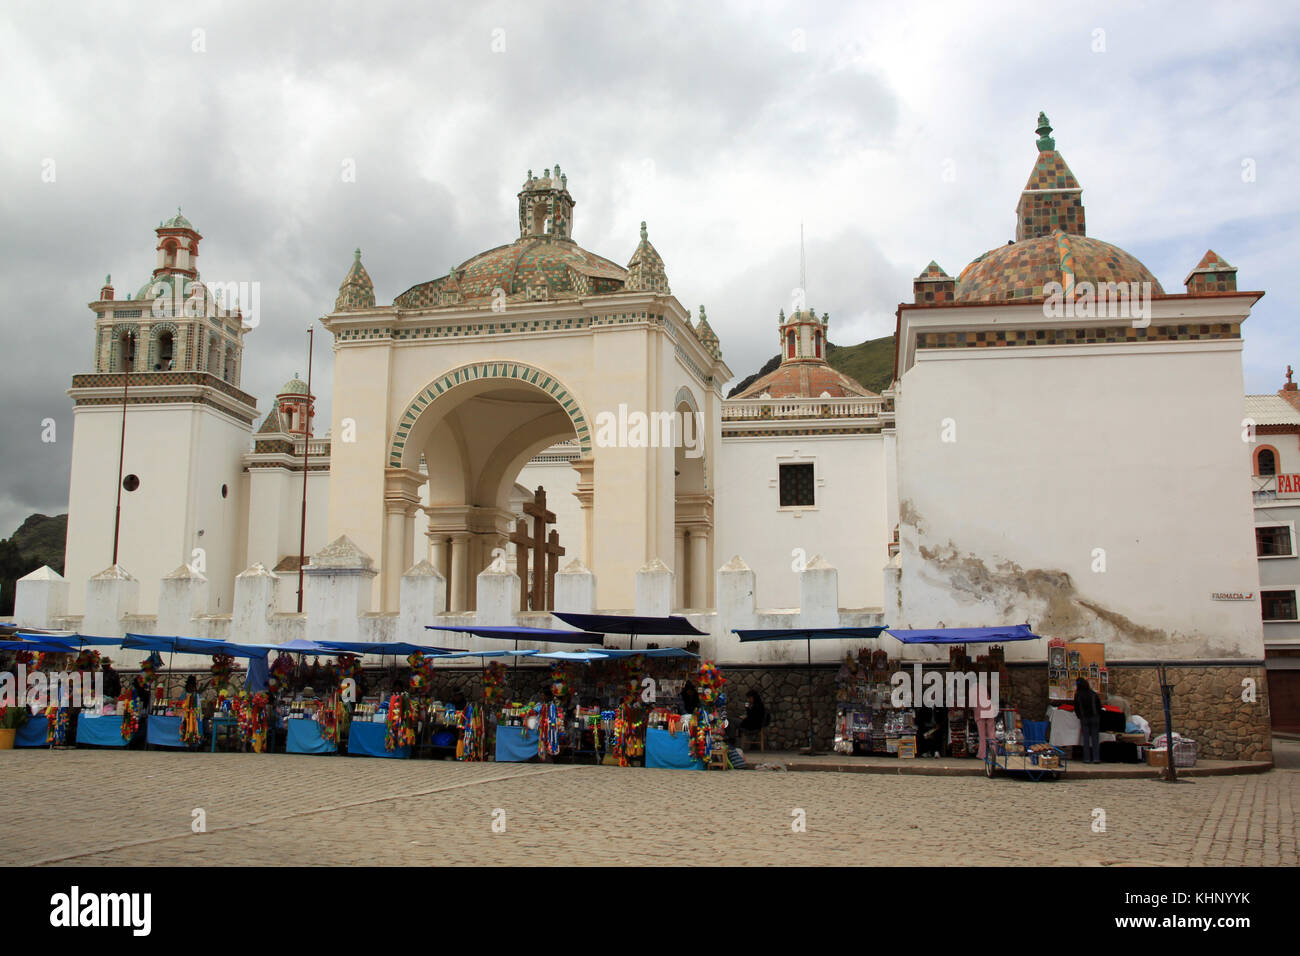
x=1274, y=541
x=1278, y=605
x=797, y=489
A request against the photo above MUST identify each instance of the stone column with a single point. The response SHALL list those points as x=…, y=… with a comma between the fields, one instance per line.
x=699, y=596
x=401, y=502
x=586, y=495
x=338, y=591
x=498, y=597
x=182, y=596
x=40, y=598
x=424, y=596
x=575, y=589
x=256, y=599
x=819, y=594
x=654, y=590
x=459, y=595
x=679, y=566
x=440, y=558
x=109, y=595
x=737, y=586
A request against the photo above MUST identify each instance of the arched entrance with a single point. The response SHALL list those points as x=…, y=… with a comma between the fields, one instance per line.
x=476, y=427
x=692, y=507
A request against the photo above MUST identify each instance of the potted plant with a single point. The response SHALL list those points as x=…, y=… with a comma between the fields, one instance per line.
x=11, y=718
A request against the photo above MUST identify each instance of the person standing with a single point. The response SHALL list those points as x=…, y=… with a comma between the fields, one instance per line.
x=986, y=711
x=1087, y=707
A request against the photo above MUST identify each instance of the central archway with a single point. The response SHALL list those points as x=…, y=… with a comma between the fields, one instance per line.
x=474, y=428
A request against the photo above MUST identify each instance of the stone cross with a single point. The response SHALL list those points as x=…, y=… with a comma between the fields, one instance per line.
x=537, y=592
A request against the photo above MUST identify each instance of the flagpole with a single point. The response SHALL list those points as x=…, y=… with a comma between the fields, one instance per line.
x=306, y=450
x=128, y=358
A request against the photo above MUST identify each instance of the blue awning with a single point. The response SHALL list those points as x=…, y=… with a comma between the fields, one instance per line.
x=552, y=635
x=451, y=655
x=73, y=640
x=966, y=635
x=192, y=645
x=585, y=657
x=630, y=624
x=42, y=646
x=388, y=648
x=649, y=652
x=808, y=633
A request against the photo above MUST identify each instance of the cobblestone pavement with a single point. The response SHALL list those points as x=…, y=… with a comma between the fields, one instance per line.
x=136, y=808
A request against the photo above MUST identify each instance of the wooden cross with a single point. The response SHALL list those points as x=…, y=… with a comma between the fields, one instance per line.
x=537, y=592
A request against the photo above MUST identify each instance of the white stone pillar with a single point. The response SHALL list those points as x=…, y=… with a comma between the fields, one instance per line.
x=182, y=596
x=654, y=590
x=396, y=539
x=819, y=594
x=440, y=558
x=498, y=598
x=679, y=566
x=338, y=591
x=893, y=600
x=699, y=596
x=256, y=599
x=424, y=595
x=109, y=595
x=459, y=596
x=40, y=598
x=575, y=589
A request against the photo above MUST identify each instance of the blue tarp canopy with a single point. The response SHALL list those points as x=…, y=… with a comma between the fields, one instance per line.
x=809, y=633
x=452, y=655
x=299, y=645
x=546, y=634
x=629, y=624
x=967, y=635
x=192, y=645
x=585, y=657
x=648, y=652
x=45, y=647
x=393, y=648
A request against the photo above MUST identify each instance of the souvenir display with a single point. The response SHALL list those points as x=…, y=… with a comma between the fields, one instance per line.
x=494, y=680
x=56, y=727
x=190, y=733
x=130, y=715
x=400, y=723
x=421, y=673
x=252, y=720
x=223, y=665
x=281, y=674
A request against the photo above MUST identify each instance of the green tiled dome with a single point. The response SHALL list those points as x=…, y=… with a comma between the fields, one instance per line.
x=177, y=222
x=295, y=386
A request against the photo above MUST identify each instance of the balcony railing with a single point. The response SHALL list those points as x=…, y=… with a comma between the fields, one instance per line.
x=762, y=409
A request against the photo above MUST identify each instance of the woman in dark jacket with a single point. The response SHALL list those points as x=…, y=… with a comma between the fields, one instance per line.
x=754, y=712
x=690, y=698
x=1087, y=707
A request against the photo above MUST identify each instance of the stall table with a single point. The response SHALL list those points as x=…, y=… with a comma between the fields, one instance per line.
x=366, y=739
x=163, y=731
x=303, y=737
x=32, y=733
x=227, y=727
x=516, y=744
x=102, y=731
x=669, y=751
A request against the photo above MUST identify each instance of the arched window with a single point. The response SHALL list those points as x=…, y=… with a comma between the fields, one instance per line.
x=169, y=252
x=166, y=347
x=817, y=338
x=789, y=344
x=1266, y=462
x=214, y=356
x=230, y=365
x=126, y=352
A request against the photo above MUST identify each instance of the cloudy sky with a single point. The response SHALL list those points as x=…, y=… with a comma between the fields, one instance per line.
x=896, y=133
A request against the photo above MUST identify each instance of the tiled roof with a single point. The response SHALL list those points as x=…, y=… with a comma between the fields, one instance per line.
x=1271, y=410
x=356, y=291
x=1020, y=270
x=805, y=380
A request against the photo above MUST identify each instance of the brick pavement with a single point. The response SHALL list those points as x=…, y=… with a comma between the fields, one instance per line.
x=94, y=808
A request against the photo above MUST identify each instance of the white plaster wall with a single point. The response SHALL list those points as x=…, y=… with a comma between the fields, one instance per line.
x=849, y=525
x=1133, y=449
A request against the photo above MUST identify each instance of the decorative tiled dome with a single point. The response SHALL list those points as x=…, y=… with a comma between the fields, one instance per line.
x=805, y=380
x=295, y=386
x=177, y=221
x=1020, y=270
x=646, y=268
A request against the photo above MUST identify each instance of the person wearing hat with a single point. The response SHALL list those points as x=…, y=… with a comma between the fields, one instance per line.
x=112, y=682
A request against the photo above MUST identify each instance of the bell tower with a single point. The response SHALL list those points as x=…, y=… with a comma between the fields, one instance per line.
x=545, y=206
x=163, y=394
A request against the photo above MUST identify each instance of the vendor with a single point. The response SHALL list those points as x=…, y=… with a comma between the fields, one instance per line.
x=112, y=682
x=1087, y=707
x=755, y=713
x=690, y=699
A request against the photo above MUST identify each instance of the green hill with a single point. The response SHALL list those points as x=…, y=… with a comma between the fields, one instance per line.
x=870, y=363
x=39, y=541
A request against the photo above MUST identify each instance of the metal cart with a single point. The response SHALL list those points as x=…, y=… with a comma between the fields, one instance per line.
x=1035, y=764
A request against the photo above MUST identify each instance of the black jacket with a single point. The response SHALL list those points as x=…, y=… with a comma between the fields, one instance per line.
x=1087, y=705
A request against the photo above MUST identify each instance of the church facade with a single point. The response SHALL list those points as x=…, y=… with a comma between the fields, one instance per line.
x=1008, y=475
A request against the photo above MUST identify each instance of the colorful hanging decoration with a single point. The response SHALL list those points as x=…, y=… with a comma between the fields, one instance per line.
x=549, y=725
x=710, y=681
x=559, y=681
x=629, y=735
x=421, y=673
x=149, y=667
x=251, y=719
x=701, y=740
x=87, y=661
x=472, y=742
x=222, y=667
x=281, y=673
x=329, y=715
x=130, y=716
x=56, y=726
x=190, y=733
x=400, y=723
x=348, y=666
x=494, y=680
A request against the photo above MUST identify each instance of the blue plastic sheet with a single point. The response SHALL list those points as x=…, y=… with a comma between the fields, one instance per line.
x=516, y=744
x=669, y=751
x=162, y=731
x=303, y=737
x=100, y=731
x=966, y=635
x=366, y=739
x=32, y=733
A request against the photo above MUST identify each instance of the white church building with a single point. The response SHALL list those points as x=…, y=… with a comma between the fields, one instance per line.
x=1016, y=470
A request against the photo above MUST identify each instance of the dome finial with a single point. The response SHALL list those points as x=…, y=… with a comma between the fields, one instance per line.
x=643, y=231
x=357, y=254
x=1045, y=142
